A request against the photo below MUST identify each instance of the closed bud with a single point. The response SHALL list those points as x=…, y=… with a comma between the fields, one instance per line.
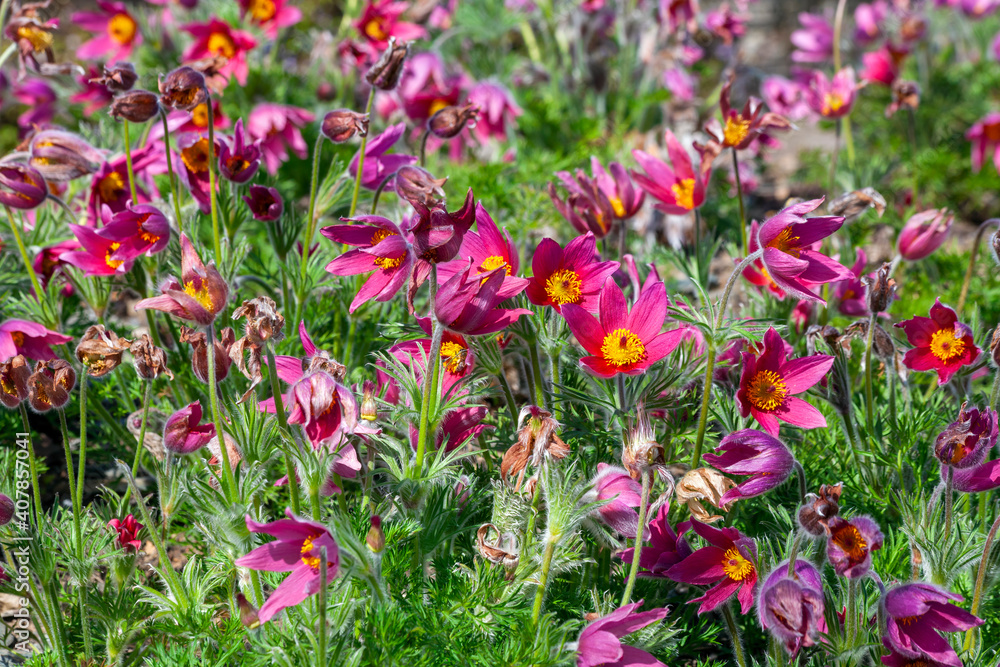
x=6, y=509
x=135, y=106
x=183, y=89
x=199, y=356
x=21, y=186
x=150, y=361
x=819, y=509
x=995, y=347
x=100, y=350
x=49, y=386
x=63, y=156
x=419, y=187
x=14, y=374
x=369, y=407
x=342, y=124
x=375, y=538
x=385, y=73
x=248, y=613
x=265, y=203
x=119, y=78
x=881, y=289
x=451, y=120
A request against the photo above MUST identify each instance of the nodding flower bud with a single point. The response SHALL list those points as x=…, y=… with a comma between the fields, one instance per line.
x=150, y=361
x=265, y=203
x=449, y=121
x=6, y=509
x=341, y=124
x=50, y=384
x=100, y=350
x=184, y=433
x=248, y=613
x=967, y=440
x=135, y=106
x=184, y=89
x=14, y=374
x=819, y=509
x=369, y=407
x=417, y=186
x=995, y=347
x=375, y=538
x=385, y=73
x=119, y=78
x=63, y=156
x=21, y=186
x=881, y=289
x=199, y=355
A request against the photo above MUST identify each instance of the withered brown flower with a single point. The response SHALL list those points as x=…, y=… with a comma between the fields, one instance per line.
x=819, y=509
x=881, y=289
x=418, y=186
x=118, y=78
x=340, y=125
x=449, y=121
x=641, y=453
x=100, y=350
x=385, y=73
x=184, y=89
x=50, y=384
x=703, y=484
x=199, y=352
x=150, y=361
x=501, y=550
x=135, y=106
x=852, y=204
x=536, y=440
x=263, y=321
x=14, y=374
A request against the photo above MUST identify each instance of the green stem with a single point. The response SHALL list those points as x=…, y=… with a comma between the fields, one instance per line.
x=71, y=478
x=32, y=467
x=706, y=398
x=995, y=394
x=211, y=188
x=869, y=401
x=536, y=610
x=83, y=443
x=361, y=158
x=378, y=191
x=24, y=256
x=743, y=213
x=536, y=500
x=322, y=607
x=314, y=501
x=852, y=609
x=140, y=444
x=949, y=492
x=128, y=163
x=509, y=395
x=430, y=375
x=793, y=554
x=279, y=410
x=637, y=551
x=727, y=613
x=311, y=213
x=554, y=361
x=170, y=170
x=228, y=481
x=536, y=372
x=972, y=262
x=977, y=595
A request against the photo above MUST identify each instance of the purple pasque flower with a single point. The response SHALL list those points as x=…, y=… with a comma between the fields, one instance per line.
x=600, y=642
x=915, y=615
x=265, y=203
x=117, y=32
x=763, y=457
x=109, y=185
x=379, y=246
x=215, y=38
x=127, y=531
x=977, y=479
x=813, y=42
x=985, y=137
x=850, y=293
x=61, y=156
x=850, y=544
x=832, y=98
x=727, y=564
x=192, y=169
x=100, y=256
x=924, y=233
x=240, y=162
x=624, y=197
x=21, y=186
x=489, y=249
x=297, y=550
x=967, y=440
x=786, y=97
x=665, y=547
x=791, y=607
x=184, y=433
x=30, y=339
x=378, y=165
x=437, y=234
x=678, y=187
x=497, y=110
x=198, y=296
x=615, y=484
x=586, y=207
x=323, y=406
x=277, y=128
x=40, y=100
x=868, y=18
x=940, y=342
x=139, y=228
x=789, y=256
x=469, y=304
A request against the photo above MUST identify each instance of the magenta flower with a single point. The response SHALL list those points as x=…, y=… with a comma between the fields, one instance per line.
x=764, y=458
x=600, y=642
x=614, y=484
x=457, y=361
x=977, y=9
x=21, y=186
x=916, y=613
x=789, y=258
x=620, y=340
x=977, y=479
x=941, y=343
x=985, y=137
x=238, y=163
x=270, y=15
x=378, y=165
x=832, y=98
x=109, y=185
x=813, y=42
x=47, y=263
x=924, y=233
x=127, y=534
x=850, y=293
x=679, y=12
x=966, y=442
x=727, y=565
x=677, y=187
x=277, y=126
x=218, y=38
x=791, y=607
x=868, y=18
x=297, y=550
x=117, y=33
x=198, y=296
x=379, y=247
x=881, y=66
x=100, y=256
x=40, y=99
x=572, y=276
x=323, y=406
x=497, y=110
x=850, y=545
x=63, y=156
x=265, y=203
x=140, y=229
x=93, y=94
x=380, y=20
x=30, y=339
x=769, y=383
x=469, y=304
x=625, y=198
x=488, y=249
x=664, y=549
x=193, y=167
x=184, y=433
x=586, y=207
x=786, y=97
x=437, y=234
x=425, y=87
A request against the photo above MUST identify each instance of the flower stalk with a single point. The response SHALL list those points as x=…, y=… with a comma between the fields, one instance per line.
x=170, y=171
x=311, y=212
x=24, y=255
x=727, y=613
x=869, y=401
x=128, y=162
x=647, y=476
x=536, y=610
x=431, y=371
x=977, y=595
x=739, y=196
x=361, y=157
x=211, y=186
x=279, y=410
x=228, y=481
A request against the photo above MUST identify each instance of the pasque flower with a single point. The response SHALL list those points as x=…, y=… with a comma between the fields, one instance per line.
x=813, y=42
x=277, y=127
x=62, y=156
x=791, y=607
x=298, y=551
x=14, y=374
x=677, y=187
x=763, y=457
x=832, y=98
x=665, y=547
x=380, y=20
x=323, y=406
x=380, y=248
x=183, y=89
x=488, y=248
x=726, y=564
x=497, y=110
x=850, y=544
x=271, y=15
x=117, y=32
x=31, y=35
x=218, y=38
x=198, y=296
x=967, y=441
x=624, y=197
x=600, y=642
x=21, y=186
x=127, y=530
x=140, y=229
x=739, y=128
x=378, y=165
x=586, y=207
x=614, y=484
x=100, y=256
x=769, y=383
x=574, y=275
x=915, y=615
x=924, y=233
x=941, y=343
x=239, y=161
x=265, y=203
x=198, y=340
x=468, y=303
x=985, y=137
x=184, y=433
x=109, y=185
x=31, y=339
x=623, y=340
x=100, y=350
x=135, y=106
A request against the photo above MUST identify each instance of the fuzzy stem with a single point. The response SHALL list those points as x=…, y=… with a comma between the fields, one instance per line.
x=83, y=441
x=792, y=555
x=211, y=187
x=869, y=401
x=378, y=191
x=228, y=481
x=995, y=394
x=128, y=163
x=838, y=23
x=170, y=170
x=536, y=372
x=640, y=529
x=311, y=213
x=24, y=255
x=423, y=146
x=554, y=362
x=536, y=610
x=727, y=613
x=536, y=500
x=851, y=621
x=802, y=482
x=948, y=500
x=361, y=158
x=279, y=411
x=430, y=375
x=32, y=467
x=71, y=478
x=977, y=595
x=314, y=501
x=322, y=607
x=140, y=443
x=509, y=395
x=706, y=397
x=739, y=195
x=972, y=262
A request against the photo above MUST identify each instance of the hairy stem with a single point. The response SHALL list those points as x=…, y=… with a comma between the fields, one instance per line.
x=739, y=196
x=170, y=171
x=140, y=444
x=361, y=158
x=311, y=213
x=536, y=372
x=869, y=401
x=128, y=162
x=322, y=607
x=24, y=255
x=211, y=186
x=727, y=613
x=640, y=529
x=430, y=375
x=228, y=481
x=279, y=411
x=536, y=610
x=948, y=500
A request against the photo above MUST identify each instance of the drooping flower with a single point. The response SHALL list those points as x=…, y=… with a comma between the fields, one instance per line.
x=380, y=20
x=791, y=606
x=813, y=42
x=298, y=551
x=277, y=127
x=985, y=137
x=769, y=382
x=665, y=547
x=941, y=343
x=31, y=35
x=50, y=384
x=678, y=187
x=832, y=98
x=21, y=186
x=139, y=229
x=198, y=341
x=625, y=198
x=135, y=106
x=817, y=509
x=30, y=339
x=198, y=296
x=574, y=275
x=600, y=642
x=426, y=86
x=265, y=203
x=726, y=565
x=148, y=360
x=117, y=32
x=183, y=89
x=62, y=156
x=615, y=484
x=378, y=165
x=850, y=545
x=497, y=110
x=184, y=433
x=586, y=207
x=218, y=38
x=881, y=66
x=239, y=162
x=127, y=530
x=916, y=614
x=488, y=248
x=100, y=350
x=323, y=406
x=623, y=340
x=340, y=125
x=764, y=458
x=469, y=304
x=966, y=442
x=924, y=233
x=380, y=247
x=271, y=15
x=40, y=100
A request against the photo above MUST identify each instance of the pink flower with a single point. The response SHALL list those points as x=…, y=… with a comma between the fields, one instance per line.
x=725, y=24
x=832, y=98
x=380, y=20
x=620, y=340
x=425, y=87
x=679, y=12
x=469, y=304
x=924, y=233
x=109, y=186
x=93, y=94
x=100, y=256
x=850, y=293
x=850, y=545
x=30, y=339
x=680, y=83
x=867, y=21
x=977, y=9
x=664, y=549
x=915, y=615
x=769, y=383
x=218, y=38
x=497, y=110
x=678, y=189
x=239, y=160
x=323, y=406
x=378, y=165
x=140, y=229
x=571, y=276
x=727, y=565
x=276, y=126
x=791, y=606
x=184, y=433
x=985, y=137
x=625, y=199
x=941, y=343
x=40, y=99
x=117, y=32
x=488, y=249
x=265, y=203
x=813, y=42
x=881, y=66
x=786, y=97
x=198, y=296
x=766, y=460
x=271, y=15
x=379, y=247
x=600, y=642
x=615, y=484
x=128, y=534
x=298, y=551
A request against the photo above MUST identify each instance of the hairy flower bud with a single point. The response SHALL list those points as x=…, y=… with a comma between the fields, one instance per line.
x=385, y=73
x=62, y=156
x=265, y=203
x=819, y=509
x=14, y=374
x=135, y=106
x=6, y=509
x=449, y=121
x=100, y=350
x=50, y=384
x=248, y=613
x=967, y=440
x=417, y=186
x=880, y=289
x=150, y=361
x=118, y=78
x=21, y=186
x=184, y=89
x=375, y=538
x=641, y=453
x=341, y=124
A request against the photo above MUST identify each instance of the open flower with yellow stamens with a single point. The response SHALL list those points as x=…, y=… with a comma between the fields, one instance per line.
x=915, y=614
x=297, y=550
x=941, y=343
x=382, y=19
x=379, y=247
x=678, y=187
x=850, y=544
x=739, y=128
x=726, y=564
x=270, y=15
x=623, y=341
x=117, y=32
x=769, y=383
x=100, y=256
x=198, y=296
x=490, y=249
x=574, y=275
x=139, y=228
x=832, y=98
x=218, y=38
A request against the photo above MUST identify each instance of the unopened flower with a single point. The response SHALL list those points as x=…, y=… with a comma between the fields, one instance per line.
x=727, y=565
x=184, y=433
x=665, y=547
x=418, y=186
x=385, y=73
x=127, y=530
x=703, y=484
x=117, y=78
x=14, y=374
x=967, y=441
x=915, y=615
x=248, y=613
x=21, y=187
x=852, y=204
x=31, y=339
x=379, y=247
x=815, y=514
x=50, y=384
x=341, y=124
x=850, y=545
x=369, y=406
x=641, y=453
x=297, y=550
x=985, y=138
x=924, y=233
x=763, y=457
x=600, y=642
x=198, y=296
x=100, y=350
x=199, y=352
x=323, y=406
x=942, y=343
x=791, y=607
x=449, y=121
x=615, y=484
x=265, y=203
x=62, y=156
x=678, y=188
x=239, y=161
x=183, y=89
x=6, y=509
x=149, y=360
x=136, y=106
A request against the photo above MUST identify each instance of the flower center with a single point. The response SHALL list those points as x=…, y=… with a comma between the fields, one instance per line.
x=40, y=39
x=306, y=553
x=735, y=565
x=113, y=263
x=111, y=187
x=375, y=30
x=222, y=44
x=494, y=262
x=199, y=115
x=767, y=390
x=144, y=234
x=122, y=28
x=195, y=156
x=851, y=541
x=735, y=131
x=617, y=206
x=990, y=130
x=437, y=105
x=684, y=193
x=453, y=357
x=199, y=294
x=786, y=243
x=384, y=263
x=564, y=286
x=622, y=348
x=236, y=164
x=907, y=620
x=832, y=103
x=262, y=10
x=18, y=338
x=946, y=345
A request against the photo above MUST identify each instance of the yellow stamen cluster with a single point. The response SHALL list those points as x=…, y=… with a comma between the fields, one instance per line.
x=195, y=156
x=122, y=28
x=113, y=263
x=453, y=356
x=494, y=262
x=945, y=345
x=851, y=542
x=376, y=30
x=384, y=263
x=735, y=565
x=617, y=206
x=199, y=115
x=786, y=242
x=221, y=44
x=735, y=131
x=832, y=103
x=306, y=552
x=262, y=10
x=111, y=187
x=199, y=293
x=684, y=193
x=564, y=286
x=18, y=338
x=622, y=348
x=40, y=39
x=767, y=390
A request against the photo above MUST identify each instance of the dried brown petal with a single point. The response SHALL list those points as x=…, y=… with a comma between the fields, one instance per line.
x=819, y=509
x=199, y=352
x=703, y=484
x=50, y=384
x=852, y=204
x=100, y=350
x=385, y=73
x=501, y=550
x=150, y=361
x=263, y=321
x=14, y=374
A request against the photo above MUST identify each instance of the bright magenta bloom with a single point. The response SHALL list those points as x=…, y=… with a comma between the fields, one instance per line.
x=613, y=483
x=297, y=550
x=832, y=98
x=379, y=247
x=184, y=433
x=380, y=20
x=941, y=343
x=924, y=233
x=198, y=296
x=277, y=126
x=218, y=38
x=140, y=229
x=489, y=249
x=916, y=613
x=791, y=607
x=850, y=545
x=469, y=304
x=270, y=15
x=813, y=42
x=437, y=233
x=497, y=110
x=21, y=186
x=600, y=642
x=739, y=128
x=323, y=406
x=128, y=533
x=850, y=293
x=239, y=160
x=265, y=203
x=100, y=256
x=664, y=549
x=764, y=458
x=985, y=137
x=109, y=185
x=620, y=340
x=769, y=383
x=727, y=565
x=625, y=198
x=586, y=207
x=967, y=441
x=30, y=339
x=679, y=189
x=117, y=33
x=378, y=165
x=571, y=276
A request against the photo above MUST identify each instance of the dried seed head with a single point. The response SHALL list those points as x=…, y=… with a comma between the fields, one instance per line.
x=263, y=322
x=199, y=352
x=641, y=452
x=135, y=106
x=385, y=73
x=703, y=484
x=150, y=361
x=100, y=350
x=184, y=89
x=449, y=121
x=852, y=204
x=118, y=78
x=501, y=550
x=819, y=509
x=342, y=124
x=905, y=95
x=14, y=374
x=50, y=384
x=536, y=440
x=881, y=289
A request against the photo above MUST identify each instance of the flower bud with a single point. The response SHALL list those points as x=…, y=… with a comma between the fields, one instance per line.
x=385, y=73
x=924, y=233
x=369, y=407
x=184, y=433
x=14, y=374
x=6, y=509
x=100, y=350
x=966, y=441
x=21, y=186
x=417, y=186
x=248, y=613
x=119, y=78
x=265, y=203
x=135, y=106
x=150, y=361
x=184, y=89
x=199, y=355
x=375, y=538
x=50, y=384
x=880, y=289
x=128, y=533
x=449, y=121
x=342, y=124
x=819, y=509
x=995, y=347
x=62, y=156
